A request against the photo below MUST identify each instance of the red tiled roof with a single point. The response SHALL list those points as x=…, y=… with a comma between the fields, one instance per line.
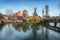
x=17, y=14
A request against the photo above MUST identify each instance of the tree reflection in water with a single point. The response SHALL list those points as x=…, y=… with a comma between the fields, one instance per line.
x=34, y=27
x=25, y=27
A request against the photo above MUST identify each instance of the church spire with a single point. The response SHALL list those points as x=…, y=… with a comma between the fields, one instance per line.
x=35, y=13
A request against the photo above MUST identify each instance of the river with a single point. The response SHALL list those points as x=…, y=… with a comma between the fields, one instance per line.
x=24, y=31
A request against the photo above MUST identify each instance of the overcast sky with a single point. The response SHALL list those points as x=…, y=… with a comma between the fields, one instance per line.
x=20, y=5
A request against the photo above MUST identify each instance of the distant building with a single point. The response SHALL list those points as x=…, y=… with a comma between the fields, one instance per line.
x=3, y=16
x=6, y=17
x=25, y=14
x=17, y=16
x=55, y=16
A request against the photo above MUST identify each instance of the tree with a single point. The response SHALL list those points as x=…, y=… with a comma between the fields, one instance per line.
x=9, y=12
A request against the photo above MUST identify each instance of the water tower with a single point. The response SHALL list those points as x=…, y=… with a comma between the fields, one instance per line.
x=47, y=10
x=42, y=12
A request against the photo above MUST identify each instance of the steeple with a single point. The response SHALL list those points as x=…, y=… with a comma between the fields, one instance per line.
x=35, y=13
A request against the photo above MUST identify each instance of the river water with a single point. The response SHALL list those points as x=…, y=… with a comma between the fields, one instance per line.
x=24, y=31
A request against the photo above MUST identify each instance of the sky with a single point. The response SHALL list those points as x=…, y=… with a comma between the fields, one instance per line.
x=29, y=5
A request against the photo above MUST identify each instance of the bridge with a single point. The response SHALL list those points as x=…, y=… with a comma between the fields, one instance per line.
x=51, y=19
x=55, y=28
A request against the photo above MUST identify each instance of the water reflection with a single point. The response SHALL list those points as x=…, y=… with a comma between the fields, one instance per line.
x=1, y=25
x=23, y=31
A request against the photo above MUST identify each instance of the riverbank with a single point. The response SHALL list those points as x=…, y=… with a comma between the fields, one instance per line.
x=11, y=21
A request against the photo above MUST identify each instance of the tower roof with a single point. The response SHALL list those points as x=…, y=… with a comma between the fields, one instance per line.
x=25, y=11
x=17, y=14
x=35, y=13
